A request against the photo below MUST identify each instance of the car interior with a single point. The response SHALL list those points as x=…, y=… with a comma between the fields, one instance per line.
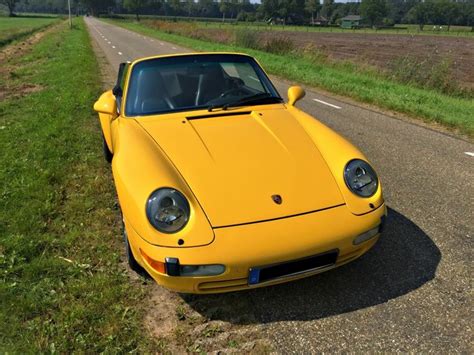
x=156, y=89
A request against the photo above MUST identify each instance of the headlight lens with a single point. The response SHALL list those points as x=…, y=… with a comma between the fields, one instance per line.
x=360, y=178
x=167, y=210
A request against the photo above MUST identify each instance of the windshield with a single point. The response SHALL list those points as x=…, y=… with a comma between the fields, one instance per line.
x=193, y=82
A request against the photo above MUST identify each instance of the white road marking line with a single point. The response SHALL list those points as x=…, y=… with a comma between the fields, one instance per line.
x=162, y=44
x=471, y=154
x=173, y=47
x=109, y=42
x=120, y=53
x=113, y=47
x=327, y=103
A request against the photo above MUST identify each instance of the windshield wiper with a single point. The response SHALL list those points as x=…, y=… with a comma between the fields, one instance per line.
x=247, y=100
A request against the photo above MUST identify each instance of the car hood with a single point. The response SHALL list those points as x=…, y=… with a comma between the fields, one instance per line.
x=236, y=162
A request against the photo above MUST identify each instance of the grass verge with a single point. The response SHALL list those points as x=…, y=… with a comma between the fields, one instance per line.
x=17, y=28
x=343, y=79
x=62, y=288
x=398, y=29
x=410, y=30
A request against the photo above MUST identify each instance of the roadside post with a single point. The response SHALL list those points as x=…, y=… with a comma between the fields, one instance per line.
x=69, y=7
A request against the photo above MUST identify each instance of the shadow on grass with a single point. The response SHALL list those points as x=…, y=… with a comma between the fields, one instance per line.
x=403, y=260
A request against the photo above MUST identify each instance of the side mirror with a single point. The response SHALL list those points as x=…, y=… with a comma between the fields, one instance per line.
x=106, y=104
x=295, y=93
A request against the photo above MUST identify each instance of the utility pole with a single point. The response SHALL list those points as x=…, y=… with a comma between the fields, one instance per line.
x=69, y=6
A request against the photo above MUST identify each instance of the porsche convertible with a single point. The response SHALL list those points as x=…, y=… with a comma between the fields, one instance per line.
x=223, y=185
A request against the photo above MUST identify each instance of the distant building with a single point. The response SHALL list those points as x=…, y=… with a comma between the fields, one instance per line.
x=319, y=21
x=351, y=21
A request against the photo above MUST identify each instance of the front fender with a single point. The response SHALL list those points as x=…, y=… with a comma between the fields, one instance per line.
x=140, y=167
x=337, y=152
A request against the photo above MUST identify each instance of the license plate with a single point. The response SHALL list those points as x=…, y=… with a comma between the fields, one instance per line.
x=290, y=268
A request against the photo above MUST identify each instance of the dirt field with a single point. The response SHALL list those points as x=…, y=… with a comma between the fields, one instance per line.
x=379, y=50
x=382, y=50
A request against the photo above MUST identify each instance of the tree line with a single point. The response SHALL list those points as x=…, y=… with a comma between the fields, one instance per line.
x=374, y=13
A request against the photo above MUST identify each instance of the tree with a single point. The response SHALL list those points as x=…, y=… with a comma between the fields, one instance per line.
x=229, y=6
x=374, y=11
x=421, y=14
x=154, y=6
x=311, y=7
x=205, y=7
x=189, y=7
x=11, y=6
x=467, y=14
x=327, y=9
x=223, y=7
x=269, y=9
x=97, y=6
x=398, y=9
x=174, y=5
x=447, y=12
x=135, y=6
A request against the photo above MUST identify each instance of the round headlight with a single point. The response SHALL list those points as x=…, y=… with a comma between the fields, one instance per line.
x=167, y=210
x=360, y=178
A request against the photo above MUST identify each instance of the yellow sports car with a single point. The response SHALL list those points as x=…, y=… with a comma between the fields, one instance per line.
x=222, y=185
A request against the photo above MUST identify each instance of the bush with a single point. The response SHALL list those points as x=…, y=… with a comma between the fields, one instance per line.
x=426, y=72
x=279, y=45
x=247, y=38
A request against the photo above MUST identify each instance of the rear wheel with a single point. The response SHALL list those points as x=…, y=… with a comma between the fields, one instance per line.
x=107, y=153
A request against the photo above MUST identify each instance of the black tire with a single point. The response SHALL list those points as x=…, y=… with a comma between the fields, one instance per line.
x=107, y=153
x=132, y=262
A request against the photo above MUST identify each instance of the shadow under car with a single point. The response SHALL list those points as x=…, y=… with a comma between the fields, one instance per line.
x=403, y=260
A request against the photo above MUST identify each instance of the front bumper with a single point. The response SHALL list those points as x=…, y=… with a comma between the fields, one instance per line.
x=240, y=248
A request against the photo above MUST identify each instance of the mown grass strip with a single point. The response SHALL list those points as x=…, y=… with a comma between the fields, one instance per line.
x=16, y=28
x=343, y=79
x=62, y=288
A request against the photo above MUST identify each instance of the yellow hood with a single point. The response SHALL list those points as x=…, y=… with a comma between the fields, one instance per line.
x=234, y=162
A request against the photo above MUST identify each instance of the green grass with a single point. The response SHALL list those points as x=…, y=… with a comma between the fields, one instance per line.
x=397, y=30
x=16, y=28
x=62, y=287
x=344, y=79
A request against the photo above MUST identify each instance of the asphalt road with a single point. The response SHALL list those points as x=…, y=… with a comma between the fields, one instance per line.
x=413, y=291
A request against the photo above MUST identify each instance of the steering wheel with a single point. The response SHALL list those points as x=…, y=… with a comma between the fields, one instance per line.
x=232, y=91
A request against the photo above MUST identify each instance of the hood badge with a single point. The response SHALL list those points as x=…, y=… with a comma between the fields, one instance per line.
x=277, y=199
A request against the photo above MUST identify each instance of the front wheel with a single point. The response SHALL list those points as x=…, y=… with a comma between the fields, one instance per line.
x=107, y=153
x=132, y=262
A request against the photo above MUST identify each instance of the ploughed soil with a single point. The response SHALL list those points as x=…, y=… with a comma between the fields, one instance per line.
x=383, y=50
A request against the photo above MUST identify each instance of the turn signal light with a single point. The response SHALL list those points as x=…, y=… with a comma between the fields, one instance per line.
x=156, y=265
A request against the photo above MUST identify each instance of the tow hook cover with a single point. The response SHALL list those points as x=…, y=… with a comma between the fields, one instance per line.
x=172, y=266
